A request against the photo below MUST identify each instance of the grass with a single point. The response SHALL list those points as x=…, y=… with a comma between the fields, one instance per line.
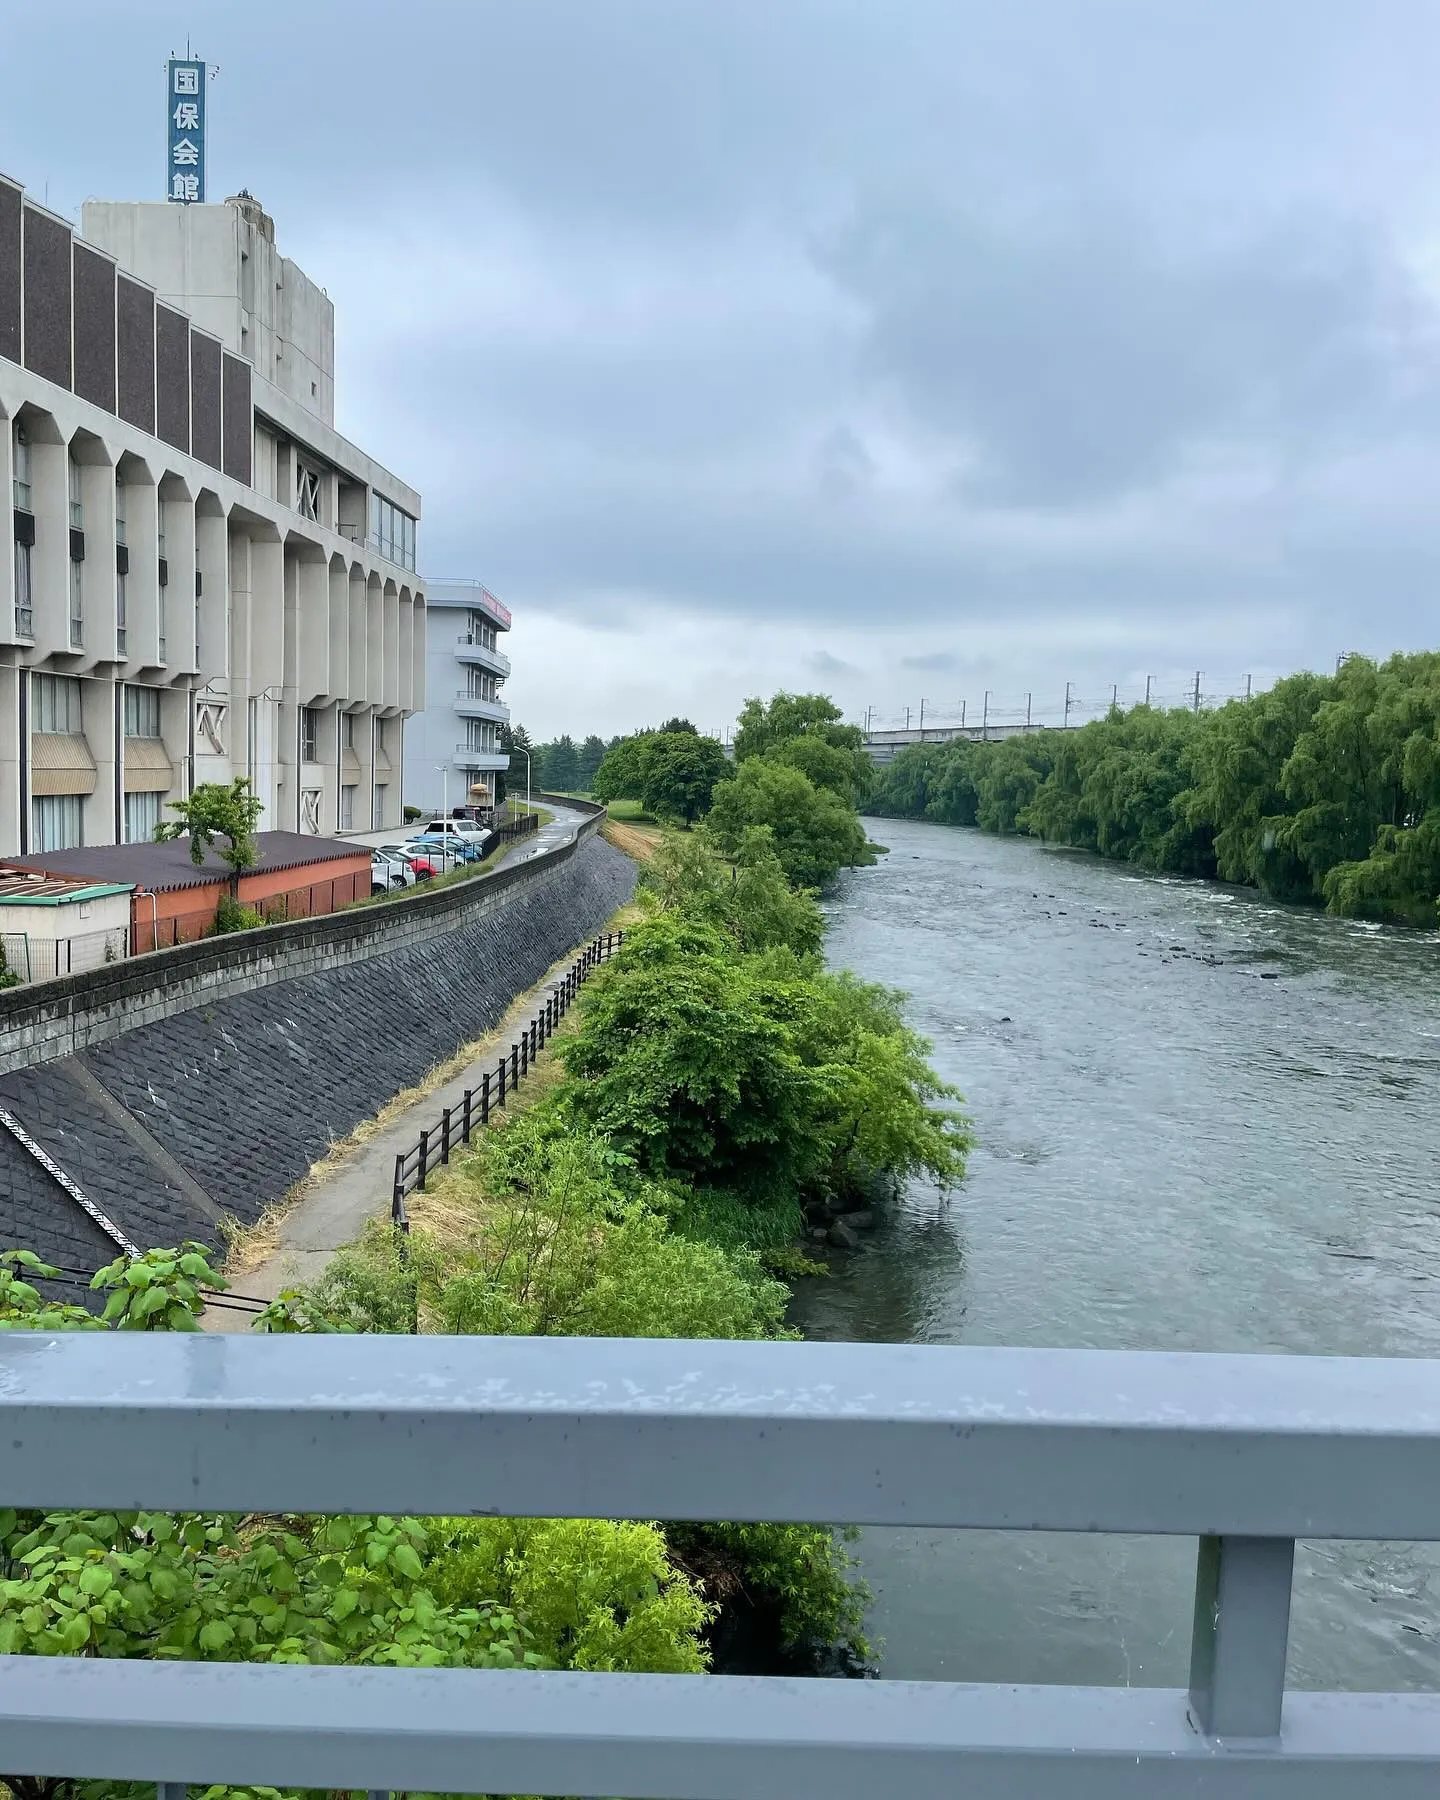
x=632, y=811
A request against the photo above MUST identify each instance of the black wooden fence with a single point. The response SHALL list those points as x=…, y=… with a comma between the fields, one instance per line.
x=458, y=1123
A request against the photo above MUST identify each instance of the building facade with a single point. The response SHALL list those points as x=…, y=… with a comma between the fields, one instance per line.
x=199, y=578
x=452, y=748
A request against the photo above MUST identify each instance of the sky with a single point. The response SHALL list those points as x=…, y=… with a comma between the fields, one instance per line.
x=904, y=349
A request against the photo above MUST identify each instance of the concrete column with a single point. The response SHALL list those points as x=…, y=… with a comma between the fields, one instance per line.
x=212, y=549
x=142, y=531
x=339, y=684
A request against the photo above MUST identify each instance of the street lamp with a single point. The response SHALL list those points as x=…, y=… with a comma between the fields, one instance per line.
x=526, y=754
x=443, y=771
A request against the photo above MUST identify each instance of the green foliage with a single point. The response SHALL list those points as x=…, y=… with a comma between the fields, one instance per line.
x=8, y=977
x=22, y=1305
x=1325, y=788
x=765, y=725
x=748, y=898
x=230, y=915
x=672, y=772
x=217, y=809
x=814, y=831
x=843, y=771
x=159, y=1291
x=594, y=1594
x=756, y=1074
x=802, y=1571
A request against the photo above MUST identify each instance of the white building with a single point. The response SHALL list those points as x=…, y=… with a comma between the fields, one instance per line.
x=201, y=579
x=452, y=748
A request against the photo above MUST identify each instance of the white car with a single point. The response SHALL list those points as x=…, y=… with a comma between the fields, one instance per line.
x=469, y=830
x=387, y=872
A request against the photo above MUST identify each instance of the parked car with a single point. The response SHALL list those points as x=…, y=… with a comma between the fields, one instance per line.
x=398, y=867
x=387, y=872
x=443, y=855
x=424, y=867
x=468, y=831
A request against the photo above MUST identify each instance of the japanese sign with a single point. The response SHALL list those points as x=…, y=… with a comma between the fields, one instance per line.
x=185, y=166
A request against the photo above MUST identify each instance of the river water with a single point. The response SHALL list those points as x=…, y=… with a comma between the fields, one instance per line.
x=1173, y=1153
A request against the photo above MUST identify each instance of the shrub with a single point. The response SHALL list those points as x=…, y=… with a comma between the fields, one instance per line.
x=231, y=915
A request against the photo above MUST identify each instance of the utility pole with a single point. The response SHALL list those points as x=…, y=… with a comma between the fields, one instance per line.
x=1068, y=686
x=1247, y=687
x=985, y=717
x=1148, y=680
x=907, y=718
x=1197, y=690
x=962, y=715
x=1114, y=695
x=868, y=711
x=1027, y=712
x=922, y=718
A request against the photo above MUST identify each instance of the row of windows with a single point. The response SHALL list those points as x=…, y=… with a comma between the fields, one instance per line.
x=480, y=685
x=480, y=736
x=392, y=532
x=57, y=820
x=481, y=632
x=56, y=705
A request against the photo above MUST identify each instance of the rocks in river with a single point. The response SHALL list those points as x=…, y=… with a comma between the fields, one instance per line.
x=1005, y=1019
x=843, y=1237
x=1269, y=975
x=863, y=1220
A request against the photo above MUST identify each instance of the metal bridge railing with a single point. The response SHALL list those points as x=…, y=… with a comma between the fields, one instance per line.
x=1246, y=1452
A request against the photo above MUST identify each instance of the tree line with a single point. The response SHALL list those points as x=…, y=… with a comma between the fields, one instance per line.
x=1323, y=790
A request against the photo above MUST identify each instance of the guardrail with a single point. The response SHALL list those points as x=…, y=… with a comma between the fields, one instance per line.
x=1250, y=1452
x=458, y=1123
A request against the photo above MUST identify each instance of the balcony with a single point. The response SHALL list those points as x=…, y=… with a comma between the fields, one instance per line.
x=467, y=757
x=1248, y=1452
x=471, y=650
x=472, y=706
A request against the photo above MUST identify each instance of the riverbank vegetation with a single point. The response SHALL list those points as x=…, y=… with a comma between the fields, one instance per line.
x=1325, y=789
x=722, y=1099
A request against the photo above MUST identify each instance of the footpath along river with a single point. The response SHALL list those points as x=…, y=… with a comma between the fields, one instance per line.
x=1173, y=1152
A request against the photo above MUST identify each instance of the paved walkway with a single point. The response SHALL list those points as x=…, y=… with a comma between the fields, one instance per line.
x=355, y=1187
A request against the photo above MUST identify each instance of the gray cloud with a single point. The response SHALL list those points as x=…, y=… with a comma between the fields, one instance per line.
x=1034, y=343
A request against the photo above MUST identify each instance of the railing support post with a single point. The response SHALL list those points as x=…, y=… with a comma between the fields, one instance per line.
x=485, y=1098
x=424, y=1158
x=1242, y=1628
x=502, y=1081
x=445, y=1136
x=465, y=1129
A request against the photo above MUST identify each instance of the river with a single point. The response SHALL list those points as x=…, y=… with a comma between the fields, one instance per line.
x=1174, y=1152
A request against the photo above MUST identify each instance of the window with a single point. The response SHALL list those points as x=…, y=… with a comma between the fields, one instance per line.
x=20, y=483
x=347, y=809
x=77, y=508
x=55, y=822
x=55, y=707
x=122, y=585
x=24, y=592
x=142, y=712
x=309, y=729
x=160, y=621
x=307, y=492
x=119, y=510
x=377, y=807
x=142, y=815
x=347, y=731
x=392, y=532
x=77, y=606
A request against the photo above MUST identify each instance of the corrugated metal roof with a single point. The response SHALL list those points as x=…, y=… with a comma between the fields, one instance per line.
x=31, y=887
x=161, y=867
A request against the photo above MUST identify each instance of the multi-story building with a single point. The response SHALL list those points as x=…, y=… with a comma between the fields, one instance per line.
x=199, y=578
x=452, y=748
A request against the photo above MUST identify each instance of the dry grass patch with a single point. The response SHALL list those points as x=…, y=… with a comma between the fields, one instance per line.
x=637, y=841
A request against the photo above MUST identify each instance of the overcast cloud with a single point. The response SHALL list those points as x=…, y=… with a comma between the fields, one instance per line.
x=907, y=348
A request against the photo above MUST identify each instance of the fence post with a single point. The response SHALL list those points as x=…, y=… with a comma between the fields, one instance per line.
x=397, y=1192
x=524, y=1056
x=533, y=1028
x=445, y=1136
x=514, y=1065
x=502, y=1081
x=424, y=1158
x=465, y=1134
x=1242, y=1626
x=485, y=1098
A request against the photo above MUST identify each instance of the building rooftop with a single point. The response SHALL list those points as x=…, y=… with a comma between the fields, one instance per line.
x=35, y=887
x=161, y=867
x=443, y=590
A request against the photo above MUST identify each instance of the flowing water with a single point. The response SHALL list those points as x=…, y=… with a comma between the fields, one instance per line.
x=1174, y=1152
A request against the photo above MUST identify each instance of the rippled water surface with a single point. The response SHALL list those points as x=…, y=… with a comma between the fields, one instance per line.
x=1174, y=1152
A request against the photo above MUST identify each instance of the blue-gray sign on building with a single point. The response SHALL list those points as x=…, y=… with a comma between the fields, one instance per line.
x=185, y=166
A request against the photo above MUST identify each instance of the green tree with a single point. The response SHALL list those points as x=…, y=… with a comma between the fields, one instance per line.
x=747, y=896
x=765, y=724
x=842, y=770
x=621, y=774
x=562, y=765
x=591, y=755
x=815, y=833
x=680, y=775
x=218, y=809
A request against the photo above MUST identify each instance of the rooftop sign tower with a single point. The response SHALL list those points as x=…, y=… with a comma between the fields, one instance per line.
x=185, y=106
